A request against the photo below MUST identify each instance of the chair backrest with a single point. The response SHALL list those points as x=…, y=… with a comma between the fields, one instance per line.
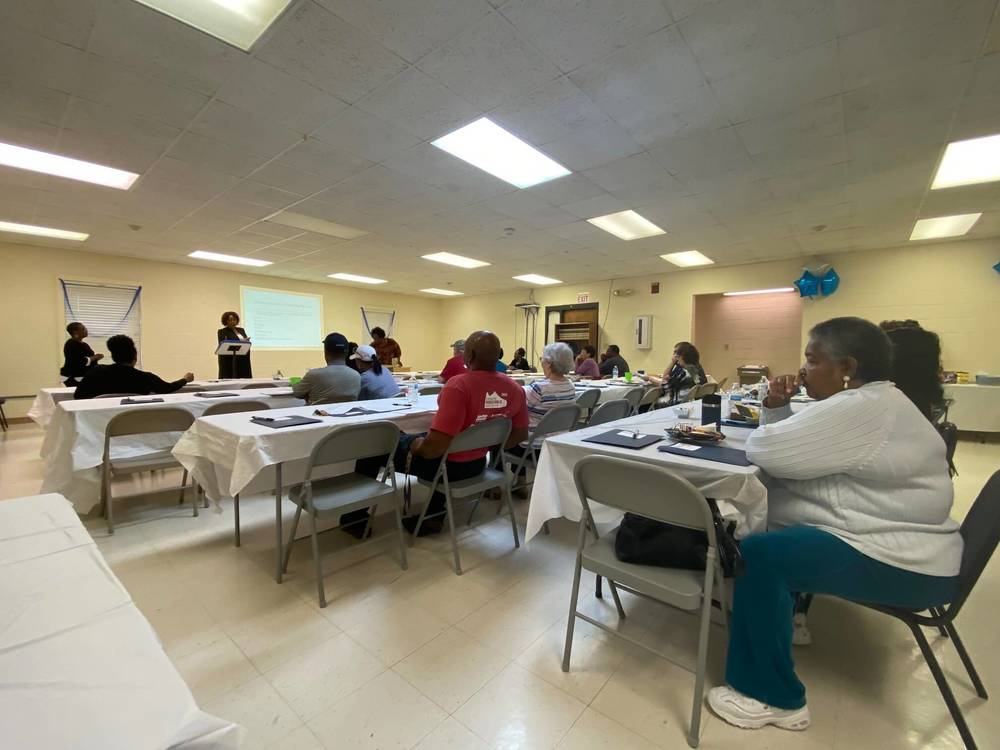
x=588, y=399
x=235, y=407
x=700, y=391
x=981, y=534
x=255, y=386
x=333, y=400
x=560, y=418
x=146, y=421
x=633, y=396
x=430, y=390
x=488, y=434
x=643, y=489
x=609, y=411
x=354, y=441
x=650, y=397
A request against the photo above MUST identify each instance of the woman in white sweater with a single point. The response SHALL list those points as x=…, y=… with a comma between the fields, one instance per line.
x=858, y=506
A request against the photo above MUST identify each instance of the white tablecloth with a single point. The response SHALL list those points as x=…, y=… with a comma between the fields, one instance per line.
x=228, y=452
x=80, y=667
x=976, y=407
x=738, y=489
x=44, y=405
x=73, y=447
x=609, y=391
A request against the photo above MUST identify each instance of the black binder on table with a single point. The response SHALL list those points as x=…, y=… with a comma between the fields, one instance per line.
x=623, y=439
x=215, y=394
x=739, y=423
x=716, y=453
x=125, y=401
x=276, y=423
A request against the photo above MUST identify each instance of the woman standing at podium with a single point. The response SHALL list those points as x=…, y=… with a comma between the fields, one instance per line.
x=231, y=366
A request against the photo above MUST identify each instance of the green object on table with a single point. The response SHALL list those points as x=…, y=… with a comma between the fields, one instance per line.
x=294, y=380
x=628, y=377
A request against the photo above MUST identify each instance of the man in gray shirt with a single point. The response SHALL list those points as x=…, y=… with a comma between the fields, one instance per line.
x=334, y=383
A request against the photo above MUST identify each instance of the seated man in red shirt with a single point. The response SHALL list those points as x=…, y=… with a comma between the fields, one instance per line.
x=455, y=365
x=481, y=393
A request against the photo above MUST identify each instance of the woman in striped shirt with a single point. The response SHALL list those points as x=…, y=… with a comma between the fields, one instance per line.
x=555, y=388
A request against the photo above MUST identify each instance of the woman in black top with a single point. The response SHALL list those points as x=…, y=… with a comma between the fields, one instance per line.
x=520, y=361
x=78, y=357
x=233, y=366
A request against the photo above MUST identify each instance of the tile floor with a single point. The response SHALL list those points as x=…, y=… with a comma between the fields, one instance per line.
x=424, y=659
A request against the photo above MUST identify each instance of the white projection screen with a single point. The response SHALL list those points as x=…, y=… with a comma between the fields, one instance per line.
x=276, y=319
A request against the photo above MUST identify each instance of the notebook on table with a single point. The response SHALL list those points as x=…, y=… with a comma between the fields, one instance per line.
x=141, y=401
x=276, y=423
x=717, y=453
x=623, y=439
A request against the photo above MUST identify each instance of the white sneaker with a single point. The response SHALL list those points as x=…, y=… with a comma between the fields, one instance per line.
x=800, y=630
x=747, y=713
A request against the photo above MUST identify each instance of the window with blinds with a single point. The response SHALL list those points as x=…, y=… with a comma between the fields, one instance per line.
x=106, y=309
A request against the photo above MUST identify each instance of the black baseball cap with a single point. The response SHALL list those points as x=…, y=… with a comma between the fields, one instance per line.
x=336, y=342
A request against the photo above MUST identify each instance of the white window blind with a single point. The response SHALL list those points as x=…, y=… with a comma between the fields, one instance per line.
x=106, y=309
x=376, y=317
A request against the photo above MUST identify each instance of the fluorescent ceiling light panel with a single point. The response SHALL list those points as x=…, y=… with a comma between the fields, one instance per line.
x=59, y=234
x=358, y=279
x=319, y=226
x=627, y=225
x=486, y=145
x=443, y=292
x=969, y=163
x=223, y=258
x=534, y=278
x=943, y=226
x=455, y=260
x=688, y=258
x=63, y=166
x=238, y=22
x=760, y=291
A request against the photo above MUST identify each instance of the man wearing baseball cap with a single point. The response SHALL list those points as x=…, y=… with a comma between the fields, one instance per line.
x=334, y=383
x=455, y=365
x=376, y=380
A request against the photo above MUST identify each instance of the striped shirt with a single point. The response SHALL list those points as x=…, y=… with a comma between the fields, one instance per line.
x=544, y=394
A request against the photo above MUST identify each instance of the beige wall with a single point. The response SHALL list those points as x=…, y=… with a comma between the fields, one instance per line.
x=181, y=305
x=950, y=287
x=755, y=329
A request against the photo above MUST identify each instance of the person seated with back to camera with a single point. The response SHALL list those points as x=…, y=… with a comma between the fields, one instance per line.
x=123, y=377
x=78, y=357
x=501, y=365
x=333, y=384
x=586, y=366
x=613, y=358
x=456, y=364
x=467, y=399
x=682, y=374
x=859, y=499
x=376, y=380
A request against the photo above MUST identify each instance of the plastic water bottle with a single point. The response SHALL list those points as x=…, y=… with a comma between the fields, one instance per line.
x=278, y=375
x=762, y=387
x=414, y=393
x=614, y=372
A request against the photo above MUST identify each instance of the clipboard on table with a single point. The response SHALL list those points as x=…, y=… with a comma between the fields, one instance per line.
x=276, y=423
x=718, y=453
x=623, y=439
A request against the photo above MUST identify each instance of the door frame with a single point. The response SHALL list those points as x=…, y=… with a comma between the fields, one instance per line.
x=578, y=306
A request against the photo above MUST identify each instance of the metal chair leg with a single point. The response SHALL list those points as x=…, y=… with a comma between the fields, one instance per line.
x=703, y=635
x=317, y=567
x=571, y=621
x=236, y=517
x=967, y=661
x=402, y=535
x=291, y=539
x=937, y=612
x=513, y=520
x=598, y=589
x=451, y=528
x=618, y=602
x=944, y=687
x=184, y=481
x=107, y=499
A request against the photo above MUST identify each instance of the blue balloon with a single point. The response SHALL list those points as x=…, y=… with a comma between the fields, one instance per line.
x=829, y=283
x=807, y=284
x=997, y=268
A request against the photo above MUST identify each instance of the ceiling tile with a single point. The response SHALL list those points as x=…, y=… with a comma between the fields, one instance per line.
x=27, y=103
x=592, y=147
x=241, y=129
x=635, y=179
x=558, y=110
x=365, y=135
x=319, y=158
x=279, y=175
x=65, y=21
x=217, y=155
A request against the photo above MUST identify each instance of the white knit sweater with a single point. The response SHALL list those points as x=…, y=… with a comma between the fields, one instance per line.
x=866, y=466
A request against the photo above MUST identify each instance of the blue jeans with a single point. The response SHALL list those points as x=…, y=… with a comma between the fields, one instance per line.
x=805, y=559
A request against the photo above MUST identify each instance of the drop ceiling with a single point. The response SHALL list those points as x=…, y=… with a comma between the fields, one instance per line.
x=746, y=129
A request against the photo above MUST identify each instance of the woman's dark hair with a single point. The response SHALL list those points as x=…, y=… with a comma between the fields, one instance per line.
x=73, y=328
x=520, y=352
x=227, y=313
x=123, y=351
x=916, y=364
x=591, y=350
x=378, y=333
x=860, y=339
x=688, y=351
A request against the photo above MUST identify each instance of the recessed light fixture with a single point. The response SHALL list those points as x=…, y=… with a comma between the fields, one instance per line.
x=534, y=278
x=238, y=22
x=358, y=279
x=969, y=163
x=63, y=166
x=319, y=226
x=943, y=226
x=443, y=292
x=688, y=258
x=455, y=260
x=760, y=291
x=58, y=234
x=223, y=258
x=486, y=145
x=627, y=225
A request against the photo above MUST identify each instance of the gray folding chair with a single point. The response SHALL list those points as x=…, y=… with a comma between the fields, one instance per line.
x=147, y=421
x=649, y=399
x=324, y=498
x=700, y=391
x=430, y=390
x=981, y=534
x=491, y=434
x=652, y=492
x=3, y=417
x=234, y=407
x=633, y=396
x=609, y=411
x=558, y=419
x=587, y=401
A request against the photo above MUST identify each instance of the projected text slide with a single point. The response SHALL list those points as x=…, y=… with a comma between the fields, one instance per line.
x=282, y=320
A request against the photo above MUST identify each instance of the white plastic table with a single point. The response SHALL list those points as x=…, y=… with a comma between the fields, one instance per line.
x=73, y=447
x=79, y=664
x=975, y=408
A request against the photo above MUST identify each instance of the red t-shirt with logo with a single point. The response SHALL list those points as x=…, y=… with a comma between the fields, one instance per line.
x=454, y=366
x=476, y=396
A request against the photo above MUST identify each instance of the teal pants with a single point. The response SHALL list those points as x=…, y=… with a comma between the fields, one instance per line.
x=807, y=560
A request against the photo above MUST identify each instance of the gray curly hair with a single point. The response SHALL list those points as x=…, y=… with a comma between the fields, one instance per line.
x=560, y=357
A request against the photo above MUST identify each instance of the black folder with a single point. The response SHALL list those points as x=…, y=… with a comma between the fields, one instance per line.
x=618, y=439
x=716, y=453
